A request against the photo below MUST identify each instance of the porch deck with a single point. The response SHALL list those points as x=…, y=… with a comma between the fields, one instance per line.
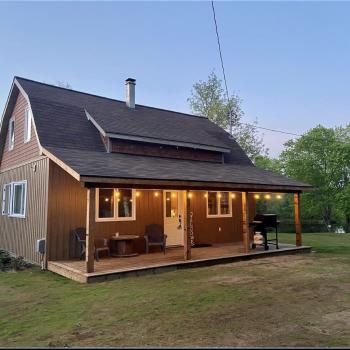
x=113, y=268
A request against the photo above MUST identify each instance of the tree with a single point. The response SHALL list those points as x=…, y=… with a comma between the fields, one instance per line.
x=321, y=157
x=208, y=99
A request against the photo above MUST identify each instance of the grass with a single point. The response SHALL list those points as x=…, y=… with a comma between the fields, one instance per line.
x=301, y=300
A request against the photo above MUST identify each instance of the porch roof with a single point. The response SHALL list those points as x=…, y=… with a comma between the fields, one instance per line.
x=94, y=166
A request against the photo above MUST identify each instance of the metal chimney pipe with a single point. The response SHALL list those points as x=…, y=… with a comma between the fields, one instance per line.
x=130, y=92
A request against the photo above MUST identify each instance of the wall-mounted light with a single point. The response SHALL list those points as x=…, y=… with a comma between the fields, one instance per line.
x=156, y=194
x=138, y=194
x=278, y=196
x=219, y=195
x=173, y=195
x=189, y=195
x=206, y=195
x=106, y=199
x=257, y=196
x=267, y=196
x=233, y=195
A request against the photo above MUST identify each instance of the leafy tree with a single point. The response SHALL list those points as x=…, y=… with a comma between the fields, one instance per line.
x=208, y=99
x=321, y=157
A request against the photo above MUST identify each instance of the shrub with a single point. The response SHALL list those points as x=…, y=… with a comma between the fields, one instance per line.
x=7, y=262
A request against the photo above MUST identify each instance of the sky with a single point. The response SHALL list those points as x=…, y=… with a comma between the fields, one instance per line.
x=288, y=61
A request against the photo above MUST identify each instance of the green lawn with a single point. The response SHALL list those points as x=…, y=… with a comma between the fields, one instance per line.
x=301, y=300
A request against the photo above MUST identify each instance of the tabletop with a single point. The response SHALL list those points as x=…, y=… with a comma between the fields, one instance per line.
x=124, y=237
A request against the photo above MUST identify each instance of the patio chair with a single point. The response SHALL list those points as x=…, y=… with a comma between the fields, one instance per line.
x=100, y=244
x=80, y=235
x=155, y=236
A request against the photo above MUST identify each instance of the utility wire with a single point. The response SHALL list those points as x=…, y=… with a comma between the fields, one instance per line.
x=226, y=88
x=222, y=64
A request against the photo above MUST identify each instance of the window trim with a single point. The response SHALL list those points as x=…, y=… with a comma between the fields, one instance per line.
x=12, y=187
x=219, y=215
x=4, y=199
x=11, y=129
x=27, y=124
x=115, y=208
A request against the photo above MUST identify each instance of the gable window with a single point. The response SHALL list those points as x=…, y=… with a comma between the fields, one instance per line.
x=27, y=124
x=115, y=204
x=11, y=132
x=218, y=204
x=14, y=199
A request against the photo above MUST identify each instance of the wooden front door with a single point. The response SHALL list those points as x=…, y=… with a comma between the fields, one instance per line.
x=173, y=217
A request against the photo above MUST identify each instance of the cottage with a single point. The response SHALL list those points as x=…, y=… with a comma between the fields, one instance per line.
x=75, y=160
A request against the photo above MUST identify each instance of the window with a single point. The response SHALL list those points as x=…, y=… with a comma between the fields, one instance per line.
x=14, y=199
x=115, y=204
x=27, y=124
x=171, y=204
x=11, y=134
x=219, y=204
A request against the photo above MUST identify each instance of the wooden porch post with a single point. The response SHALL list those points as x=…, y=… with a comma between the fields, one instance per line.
x=297, y=219
x=245, y=221
x=90, y=229
x=186, y=223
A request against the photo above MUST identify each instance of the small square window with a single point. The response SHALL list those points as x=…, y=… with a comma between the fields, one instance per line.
x=219, y=204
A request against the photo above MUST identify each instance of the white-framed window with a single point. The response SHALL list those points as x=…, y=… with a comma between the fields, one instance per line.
x=27, y=124
x=11, y=132
x=219, y=204
x=114, y=204
x=14, y=197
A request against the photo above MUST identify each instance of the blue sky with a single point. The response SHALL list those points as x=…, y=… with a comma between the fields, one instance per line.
x=290, y=62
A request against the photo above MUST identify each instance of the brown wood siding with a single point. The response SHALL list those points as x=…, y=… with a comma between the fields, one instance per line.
x=67, y=211
x=207, y=230
x=21, y=152
x=165, y=151
x=19, y=235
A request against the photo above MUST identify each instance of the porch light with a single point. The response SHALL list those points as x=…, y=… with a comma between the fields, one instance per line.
x=117, y=194
x=233, y=195
x=219, y=195
x=189, y=195
x=267, y=196
x=173, y=195
x=156, y=194
x=257, y=196
x=137, y=194
x=279, y=196
x=206, y=195
x=106, y=199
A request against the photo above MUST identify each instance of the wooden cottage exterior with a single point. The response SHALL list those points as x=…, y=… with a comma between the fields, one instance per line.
x=70, y=159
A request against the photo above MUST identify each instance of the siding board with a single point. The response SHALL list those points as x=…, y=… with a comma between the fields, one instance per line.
x=19, y=235
x=21, y=152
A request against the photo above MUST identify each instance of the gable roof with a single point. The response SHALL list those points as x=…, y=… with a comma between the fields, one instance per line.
x=64, y=131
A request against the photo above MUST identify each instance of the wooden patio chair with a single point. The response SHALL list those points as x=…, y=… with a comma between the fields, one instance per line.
x=100, y=244
x=155, y=236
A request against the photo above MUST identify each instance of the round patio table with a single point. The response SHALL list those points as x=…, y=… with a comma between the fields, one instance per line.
x=123, y=245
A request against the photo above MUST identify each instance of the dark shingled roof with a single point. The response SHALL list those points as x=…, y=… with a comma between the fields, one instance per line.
x=65, y=131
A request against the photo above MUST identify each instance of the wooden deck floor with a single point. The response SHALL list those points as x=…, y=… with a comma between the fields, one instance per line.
x=112, y=268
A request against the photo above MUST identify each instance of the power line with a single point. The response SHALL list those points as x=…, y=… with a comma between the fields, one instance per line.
x=222, y=64
x=225, y=81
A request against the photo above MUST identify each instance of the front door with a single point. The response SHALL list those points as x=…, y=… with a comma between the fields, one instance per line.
x=173, y=217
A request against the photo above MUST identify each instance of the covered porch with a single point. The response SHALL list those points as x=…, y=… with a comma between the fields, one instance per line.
x=236, y=247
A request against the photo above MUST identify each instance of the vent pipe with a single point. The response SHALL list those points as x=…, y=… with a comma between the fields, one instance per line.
x=130, y=92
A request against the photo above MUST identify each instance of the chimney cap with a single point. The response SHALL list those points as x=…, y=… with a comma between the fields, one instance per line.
x=130, y=80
